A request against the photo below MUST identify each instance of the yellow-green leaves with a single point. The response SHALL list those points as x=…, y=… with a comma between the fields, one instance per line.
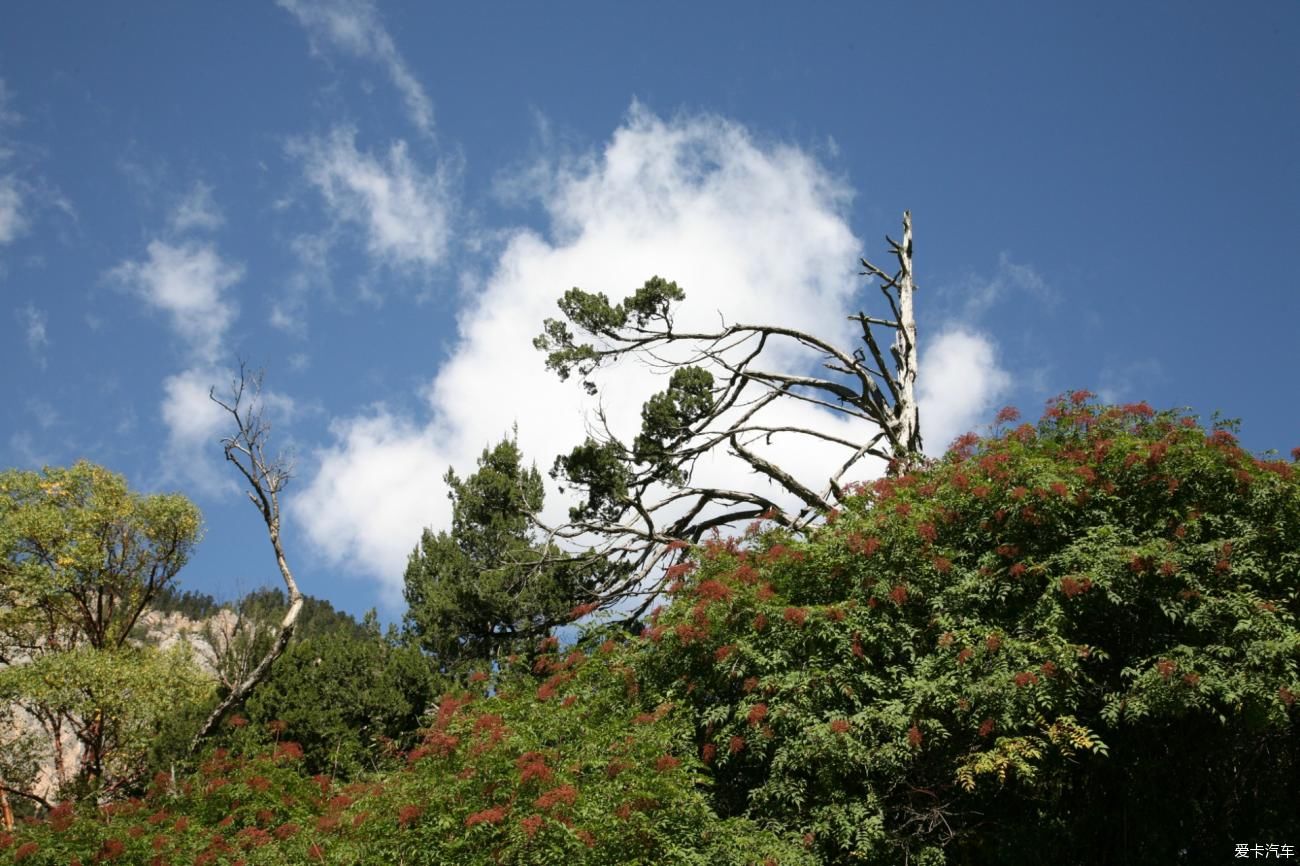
x=81, y=555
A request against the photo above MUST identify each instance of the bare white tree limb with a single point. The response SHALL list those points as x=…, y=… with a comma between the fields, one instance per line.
x=877, y=385
x=266, y=477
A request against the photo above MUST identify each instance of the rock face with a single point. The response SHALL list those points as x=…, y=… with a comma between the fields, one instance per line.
x=209, y=639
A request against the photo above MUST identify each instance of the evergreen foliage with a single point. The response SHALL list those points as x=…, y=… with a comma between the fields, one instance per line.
x=489, y=586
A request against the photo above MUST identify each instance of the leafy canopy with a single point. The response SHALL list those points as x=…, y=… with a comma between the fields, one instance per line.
x=1048, y=632
x=81, y=558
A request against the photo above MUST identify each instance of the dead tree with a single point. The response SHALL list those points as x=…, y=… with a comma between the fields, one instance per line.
x=700, y=412
x=267, y=477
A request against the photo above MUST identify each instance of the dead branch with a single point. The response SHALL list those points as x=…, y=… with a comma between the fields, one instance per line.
x=266, y=477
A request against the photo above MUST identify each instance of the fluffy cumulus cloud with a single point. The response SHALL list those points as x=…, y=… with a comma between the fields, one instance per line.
x=194, y=425
x=402, y=211
x=753, y=231
x=354, y=27
x=189, y=282
x=958, y=380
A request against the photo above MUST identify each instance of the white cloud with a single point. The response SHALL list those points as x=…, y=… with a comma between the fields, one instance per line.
x=981, y=294
x=959, y=381
x=197, y=210
x=26, y=452
x=376, y=488
x=757, y=231
x=46, y=416
x=34, y=324
x=289, y=307
x=8, y=117
x=354, y=27
x=403, y=211
x=194, y=425
x=26, y=193
x=188, y=282
x=12, y=220
x=1120, y=382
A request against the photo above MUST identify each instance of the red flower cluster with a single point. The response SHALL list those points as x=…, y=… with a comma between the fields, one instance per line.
x=757, y=713
x=565, y=795
x=713, y=590
x=1070, y=587
x=495, y=815
x=532, y=765
x=860, y=545
x=1025, y=678
x=407, y=814
x=288, y=751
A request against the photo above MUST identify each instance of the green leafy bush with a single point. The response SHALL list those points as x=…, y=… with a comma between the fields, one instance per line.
x=1070, y=643
x=547, y=762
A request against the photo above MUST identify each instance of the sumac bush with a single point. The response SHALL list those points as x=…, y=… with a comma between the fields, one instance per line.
x=1073, y=642
x=548, y=761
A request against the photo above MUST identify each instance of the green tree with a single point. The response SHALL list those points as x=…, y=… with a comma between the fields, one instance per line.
x=1072, y=643
x=489, y=584
x=81, y=558
x=347, y=694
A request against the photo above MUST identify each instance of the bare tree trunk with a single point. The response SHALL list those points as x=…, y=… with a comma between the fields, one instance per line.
x=909, y=424
x=267, y=477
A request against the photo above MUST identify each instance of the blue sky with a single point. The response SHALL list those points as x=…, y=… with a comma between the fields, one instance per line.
x=379, y=203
